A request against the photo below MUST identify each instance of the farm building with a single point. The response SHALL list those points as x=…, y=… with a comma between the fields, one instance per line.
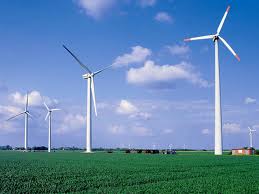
x=243, y=151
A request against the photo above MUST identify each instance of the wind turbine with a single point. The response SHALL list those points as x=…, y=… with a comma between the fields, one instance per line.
x=218, y=120
x=90, y=90
x=49, y=115
x=251, y=136
x=26, y=116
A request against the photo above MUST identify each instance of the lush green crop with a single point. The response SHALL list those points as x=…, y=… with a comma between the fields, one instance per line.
x=62, y=172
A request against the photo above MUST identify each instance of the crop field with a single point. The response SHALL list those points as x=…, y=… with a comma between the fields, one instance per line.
x=63, y=172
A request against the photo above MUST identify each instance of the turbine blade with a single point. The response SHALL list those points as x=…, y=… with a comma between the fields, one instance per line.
x=55, y=109
x=97, y=72
x=46, y=106
x=47, y=116
x=229, y=48
x=223, y=20
x=93, y=94
x=199, y=38
x=15, y=116
x=27, y=102
x=80, y=63
x=29, y=114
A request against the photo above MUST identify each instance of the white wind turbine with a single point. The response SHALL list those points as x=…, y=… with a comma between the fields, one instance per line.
x=251, y=136
x=49, y=115
x=26, y=116
x=90, y=90
x=218, y=120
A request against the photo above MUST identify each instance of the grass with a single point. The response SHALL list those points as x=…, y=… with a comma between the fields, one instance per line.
x=74, y=172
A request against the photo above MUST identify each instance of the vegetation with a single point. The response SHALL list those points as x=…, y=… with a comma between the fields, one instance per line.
x=185, y=172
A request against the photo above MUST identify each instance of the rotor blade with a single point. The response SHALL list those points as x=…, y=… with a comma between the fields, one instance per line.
x=223, y=20
x=47, y=116
x=229, y=48
x=80, y=63
x=93, y=94
x=46, y=106
x=95, y=73
x=29, y=114
x=199, y=38
x=55, y=109
x=15, y=116
x=27, y=102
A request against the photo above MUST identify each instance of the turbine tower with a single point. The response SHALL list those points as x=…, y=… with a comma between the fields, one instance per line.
x=49, y=115
x=218, y=119
x=89, y=76
x=26, y=116
x=251, y=136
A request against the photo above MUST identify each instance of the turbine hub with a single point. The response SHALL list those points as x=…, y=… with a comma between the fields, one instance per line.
x=216, y=37
x=87, y=76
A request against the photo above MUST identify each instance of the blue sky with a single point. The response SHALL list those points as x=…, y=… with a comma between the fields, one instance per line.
x=160, y=91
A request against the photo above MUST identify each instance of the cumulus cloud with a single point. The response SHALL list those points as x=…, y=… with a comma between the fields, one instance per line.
x=141, y=131
x=205, y=131
x=35, y=99
x=163, y=17
x=125, y=107
x=151, y=74
x=7, y=128
x=249, y=100
x=71, y=123
x=178, y=50
x=147, y=3
x=8, y=111
x=138, y=55
x=133, y=130
x=96, y=8
x=167, y=131
x=117, y=129
x=231, y=128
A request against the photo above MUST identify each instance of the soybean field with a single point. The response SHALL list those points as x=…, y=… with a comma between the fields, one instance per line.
x=75, y=172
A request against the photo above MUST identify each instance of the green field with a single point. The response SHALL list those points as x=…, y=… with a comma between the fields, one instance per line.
x=63, y=172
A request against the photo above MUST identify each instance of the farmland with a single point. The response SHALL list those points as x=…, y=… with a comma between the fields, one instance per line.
x=75, y=172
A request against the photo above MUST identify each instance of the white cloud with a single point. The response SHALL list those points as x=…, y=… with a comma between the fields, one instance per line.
x=147, y=3
x=151, y=73
x=249, y=100
x=231, y=128
x=179, y=50
x=35, y=99
x=117, y=129
x=205, y=131
x=96, y=8
x=71, y=123
x=127, y=108
x=163, y=17
x=138, y=55
x=7, y=127
x=167, y=131
x=10, y=110
x=141, y=131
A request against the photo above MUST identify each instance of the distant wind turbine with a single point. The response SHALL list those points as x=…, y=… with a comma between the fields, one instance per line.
x=90, y=90
x=49, y=115
x=251, y=136
x=26, y=116
x=218, y=119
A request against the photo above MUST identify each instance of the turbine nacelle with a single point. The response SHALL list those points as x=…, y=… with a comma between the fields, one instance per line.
x=88, y=75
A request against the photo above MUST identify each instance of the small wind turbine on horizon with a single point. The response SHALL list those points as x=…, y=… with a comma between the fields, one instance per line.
x=26, y=117
x=251, y=136
x=90, y=96
x=49, y=115
x=218, y=119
